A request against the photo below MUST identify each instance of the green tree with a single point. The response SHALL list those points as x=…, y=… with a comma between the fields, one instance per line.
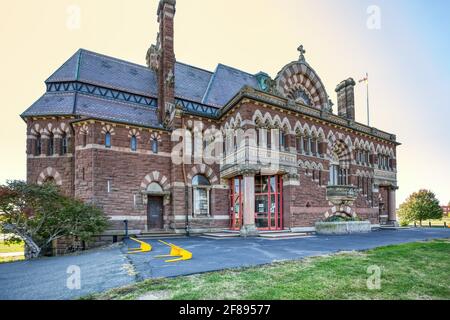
x=40, y=214
x=419, y=206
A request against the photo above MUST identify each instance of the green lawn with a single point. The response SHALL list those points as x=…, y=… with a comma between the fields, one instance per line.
x=18, y=247
x=434, y=223
x=409, y=271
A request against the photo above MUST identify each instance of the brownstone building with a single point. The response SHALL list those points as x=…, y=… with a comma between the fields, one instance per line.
x=174, y=147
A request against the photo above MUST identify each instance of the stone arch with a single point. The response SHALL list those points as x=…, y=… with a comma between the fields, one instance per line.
x=49, y=173
x=108, y=129
x=155, y=177
x=298, y=75
x=340, y=151
x=205, y=170
x=342, y=211
x=84, y=129
x=134, y=132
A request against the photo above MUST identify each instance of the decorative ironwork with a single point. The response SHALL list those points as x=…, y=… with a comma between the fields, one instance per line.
x=102, y=92
x=197, y=108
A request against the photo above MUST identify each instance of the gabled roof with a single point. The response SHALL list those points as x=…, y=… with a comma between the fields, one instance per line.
x=93, y=68
x=92, y=84
x=226, y=83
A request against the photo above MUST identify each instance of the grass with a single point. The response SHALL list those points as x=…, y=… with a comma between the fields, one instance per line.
x=408, y=271
x=16, y=247
x=434, y=223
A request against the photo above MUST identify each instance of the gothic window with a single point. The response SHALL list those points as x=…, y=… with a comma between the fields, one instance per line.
x=320, y=177
x=155, y=146
x=298, y=142
x=133, y=143
x=338, y=176
x=38, y=149
x=51, y=144
x=201, y=195
x=64, y=144
x=108, y=140
x=305, y=145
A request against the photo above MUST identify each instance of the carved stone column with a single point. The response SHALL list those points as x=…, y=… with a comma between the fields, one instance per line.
x=249, y=228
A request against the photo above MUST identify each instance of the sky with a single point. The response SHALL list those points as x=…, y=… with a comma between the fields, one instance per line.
x=402, y=44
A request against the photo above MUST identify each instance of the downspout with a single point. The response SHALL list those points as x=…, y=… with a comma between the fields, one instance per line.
x=186, y=190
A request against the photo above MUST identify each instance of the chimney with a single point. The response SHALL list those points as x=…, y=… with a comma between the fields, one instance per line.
x=166, y=60
x=346, y=99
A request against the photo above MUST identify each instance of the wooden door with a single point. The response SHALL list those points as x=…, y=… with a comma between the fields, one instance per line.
x=155, y=212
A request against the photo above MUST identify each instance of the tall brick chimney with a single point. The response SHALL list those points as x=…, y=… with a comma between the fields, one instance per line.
x=166, y=60
x=346, y=98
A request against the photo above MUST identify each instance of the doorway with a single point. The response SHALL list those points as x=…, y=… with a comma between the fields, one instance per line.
x=155, y=212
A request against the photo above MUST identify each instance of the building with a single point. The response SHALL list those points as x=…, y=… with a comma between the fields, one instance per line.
x=174, y=147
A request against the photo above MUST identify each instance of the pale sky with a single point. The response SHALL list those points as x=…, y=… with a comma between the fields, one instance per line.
x=407, y=60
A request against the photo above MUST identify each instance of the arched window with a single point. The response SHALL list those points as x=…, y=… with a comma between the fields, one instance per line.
x=64, y=144
x=51, y=144
x=201, y=195
x=108, y=140
x=155, y=145
x=133, y=143
x=38, y=147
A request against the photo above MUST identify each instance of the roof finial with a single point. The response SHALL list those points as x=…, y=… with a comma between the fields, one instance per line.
x=302, y=53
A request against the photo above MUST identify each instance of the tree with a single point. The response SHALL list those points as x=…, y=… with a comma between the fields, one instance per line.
x=40, y=214
x=419, y=206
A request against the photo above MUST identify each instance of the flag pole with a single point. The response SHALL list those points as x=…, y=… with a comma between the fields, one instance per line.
x=368, y=106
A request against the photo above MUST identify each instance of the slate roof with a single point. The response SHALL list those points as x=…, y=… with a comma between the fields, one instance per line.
x=75, y=103
x=191, y=84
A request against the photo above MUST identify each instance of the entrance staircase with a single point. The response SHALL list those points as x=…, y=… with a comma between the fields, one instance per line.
x=159, y=234
x=270, y=235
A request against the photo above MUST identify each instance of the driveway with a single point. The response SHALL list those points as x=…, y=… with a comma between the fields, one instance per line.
x=109, y=268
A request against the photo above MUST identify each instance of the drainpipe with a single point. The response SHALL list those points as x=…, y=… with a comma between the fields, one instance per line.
x=186, y=190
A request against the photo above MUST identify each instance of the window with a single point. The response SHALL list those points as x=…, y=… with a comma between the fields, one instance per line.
x=38, y=149
x=155, y=146
x=109, y=186
x=305, y=145
x=84, y=137
x=108, y=140
x=282, y=140
x=298, y=142
x=51, y=144
x=201, y=195
x=64, y=144
x=338, y=176
x=133, y=143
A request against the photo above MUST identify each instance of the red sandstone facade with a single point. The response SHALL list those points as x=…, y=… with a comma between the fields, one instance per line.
x=128, y=170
